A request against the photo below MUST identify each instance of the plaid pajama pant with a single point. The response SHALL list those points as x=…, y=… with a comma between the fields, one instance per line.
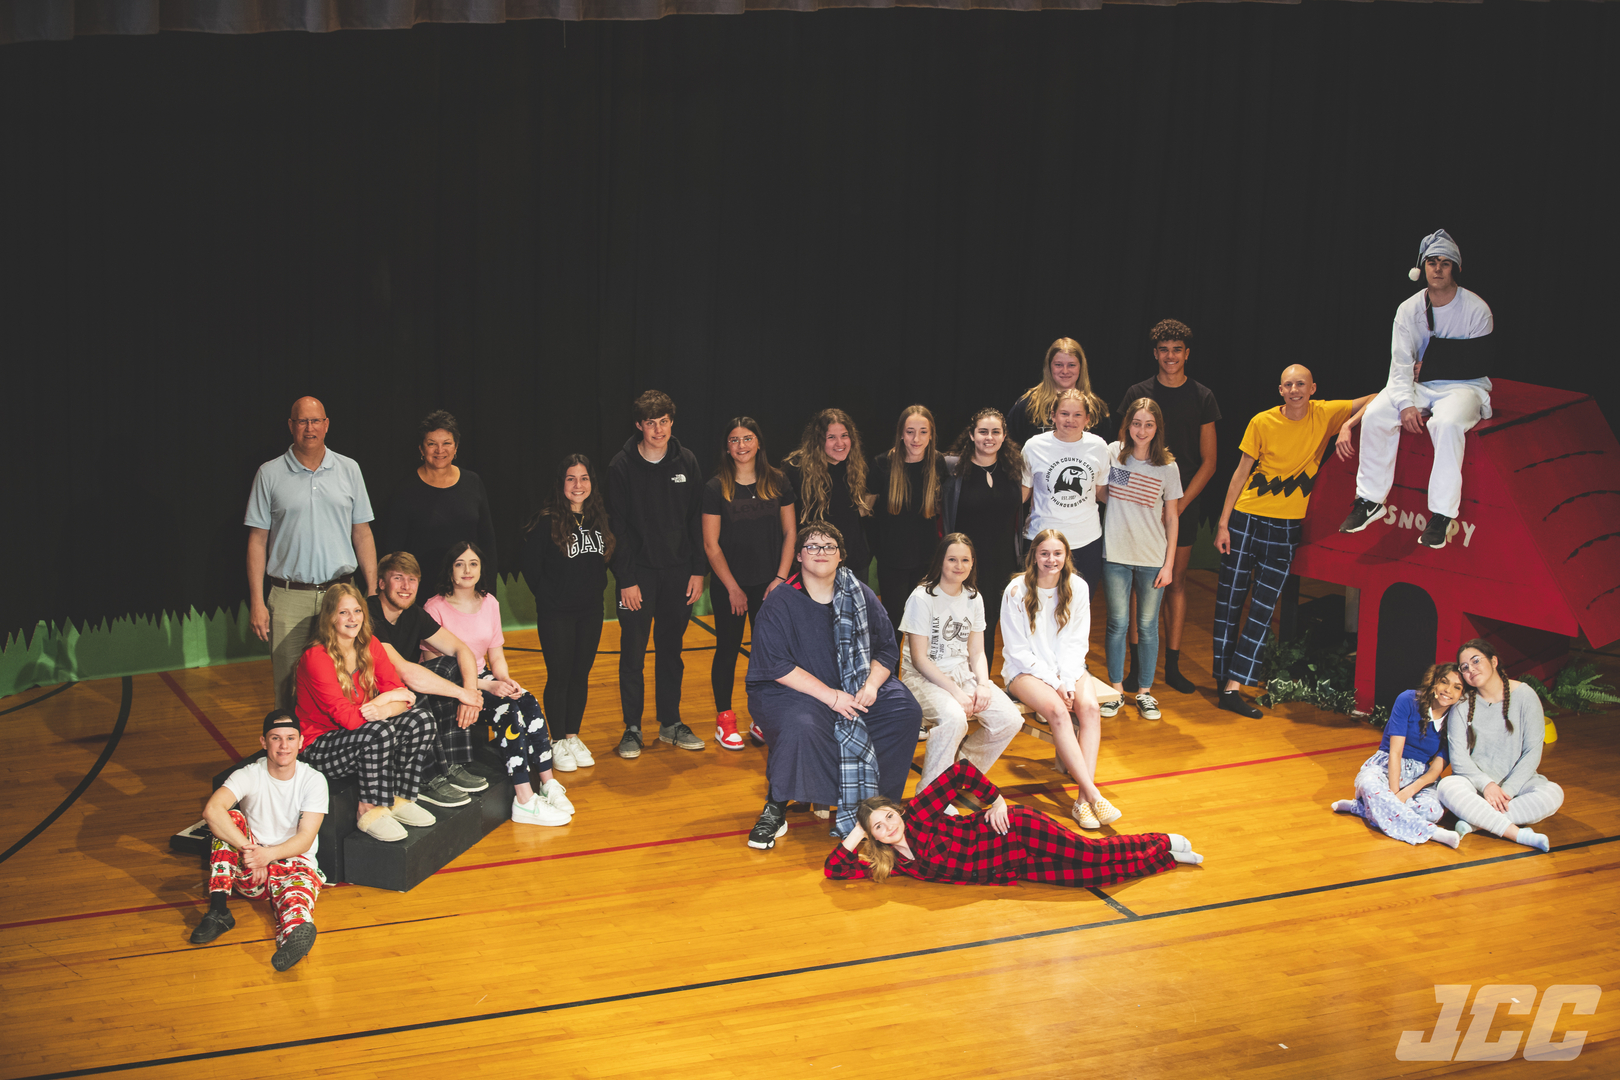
x=454, y=745
x=857, y=769
x=291, y=884
x=1057, y=856
x=389, y=756
x=520, y=729
x=1263, y=548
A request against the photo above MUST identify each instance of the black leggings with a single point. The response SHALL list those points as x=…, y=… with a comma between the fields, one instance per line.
x=568, y=640
x=728, y=635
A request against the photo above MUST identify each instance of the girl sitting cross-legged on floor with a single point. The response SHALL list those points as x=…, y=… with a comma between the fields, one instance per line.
x=993, y=846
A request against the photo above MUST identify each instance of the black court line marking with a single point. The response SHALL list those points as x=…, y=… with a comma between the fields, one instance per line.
x=765, y=976
x=42, y=697
x=262, y=940
x=1111, y=902
x=89, y=777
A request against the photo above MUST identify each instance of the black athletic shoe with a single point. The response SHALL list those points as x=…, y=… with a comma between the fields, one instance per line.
x=214, y=923
x=772, y=823
x=299, y=941
x=630, y=743
x=441, y=792
x=1234, y=701
x=1437, y=532
x=1363, y=512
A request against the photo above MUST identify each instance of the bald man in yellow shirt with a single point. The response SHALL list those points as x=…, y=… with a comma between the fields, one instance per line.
x=1260, y=524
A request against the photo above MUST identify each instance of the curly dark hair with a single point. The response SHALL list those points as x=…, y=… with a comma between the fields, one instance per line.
x=437, y=420
x=1170, y=330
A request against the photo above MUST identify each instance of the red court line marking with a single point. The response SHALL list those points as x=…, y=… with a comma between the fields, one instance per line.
x=682, y=839
x=202, y=718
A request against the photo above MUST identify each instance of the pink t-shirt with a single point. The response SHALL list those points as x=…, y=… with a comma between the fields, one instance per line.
x=480, y=632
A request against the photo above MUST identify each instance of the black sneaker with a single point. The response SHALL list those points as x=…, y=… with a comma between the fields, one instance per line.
x=214, y=923
x=1437, y=532
x=465, y=779
x=1363, y=512
x=680, y=735
x=630, y=743
x=441, y=792
x=299, y=941
x=772, y=823
x=1234, y=701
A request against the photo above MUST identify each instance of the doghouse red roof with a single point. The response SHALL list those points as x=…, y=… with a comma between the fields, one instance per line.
x=1538, y=541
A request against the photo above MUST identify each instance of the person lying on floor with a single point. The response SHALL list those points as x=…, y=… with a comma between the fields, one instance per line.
x=993, y=846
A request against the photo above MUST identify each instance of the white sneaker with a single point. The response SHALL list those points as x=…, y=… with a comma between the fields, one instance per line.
x=562, y=757
x=582, y=755
x=538, y=812
x=554, y=793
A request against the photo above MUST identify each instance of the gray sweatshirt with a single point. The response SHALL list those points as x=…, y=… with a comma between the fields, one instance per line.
x=1507, y=759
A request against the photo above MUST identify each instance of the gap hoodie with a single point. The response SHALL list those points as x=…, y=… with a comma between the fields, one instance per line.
x=657, y=512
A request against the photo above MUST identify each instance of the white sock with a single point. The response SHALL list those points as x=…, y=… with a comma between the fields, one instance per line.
x=1179, y=842
x=1446, y=837
x=1191, y=857
x=1344, y=806
x=1530, y=838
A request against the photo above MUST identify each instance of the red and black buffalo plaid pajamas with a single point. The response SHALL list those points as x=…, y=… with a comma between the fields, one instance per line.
x=967, y=851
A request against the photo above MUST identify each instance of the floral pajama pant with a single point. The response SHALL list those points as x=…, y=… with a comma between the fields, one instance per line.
x=291, y=884
x=1413, y=820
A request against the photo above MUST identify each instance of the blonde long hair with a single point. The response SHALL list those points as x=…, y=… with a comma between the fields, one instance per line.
x=815, y=482
x=1032, y=573
x=1158, y=452
x=358, y=686
x=1043, y=396
x=899, y=488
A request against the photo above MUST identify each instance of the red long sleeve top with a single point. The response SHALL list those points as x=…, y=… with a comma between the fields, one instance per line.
x=322, y=705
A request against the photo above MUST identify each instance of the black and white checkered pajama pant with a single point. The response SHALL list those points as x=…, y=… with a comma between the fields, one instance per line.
x=1263, y=548
x=389, y=756
x=454, y=745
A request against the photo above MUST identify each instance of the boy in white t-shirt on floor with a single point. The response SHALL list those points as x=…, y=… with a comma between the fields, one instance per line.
x=266, y=845
x=945, y=667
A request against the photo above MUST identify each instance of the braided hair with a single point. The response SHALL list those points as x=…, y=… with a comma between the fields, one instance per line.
x=1483, y=647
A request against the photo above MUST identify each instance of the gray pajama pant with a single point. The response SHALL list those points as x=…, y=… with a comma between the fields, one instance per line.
x=1412, y=821
x=997, y=726
x=1538, y=800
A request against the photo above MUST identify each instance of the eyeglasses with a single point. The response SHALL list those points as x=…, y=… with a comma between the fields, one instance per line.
x=310, y=423
x=734, y=441
x=1475, y=663
x=819, y=549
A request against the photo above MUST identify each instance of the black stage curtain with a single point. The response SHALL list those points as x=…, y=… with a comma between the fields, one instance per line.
x=59, y=20
x=765, y=216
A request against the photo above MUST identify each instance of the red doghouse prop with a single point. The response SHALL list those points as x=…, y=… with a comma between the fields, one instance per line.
x=1535, y=553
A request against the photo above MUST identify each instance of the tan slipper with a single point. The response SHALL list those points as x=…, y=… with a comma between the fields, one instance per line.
x=407, y=812
x=379, y=824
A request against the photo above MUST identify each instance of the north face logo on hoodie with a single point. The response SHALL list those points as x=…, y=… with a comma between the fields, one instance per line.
x=679, y=478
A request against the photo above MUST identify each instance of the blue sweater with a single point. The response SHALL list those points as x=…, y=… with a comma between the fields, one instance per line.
x=1407, y=718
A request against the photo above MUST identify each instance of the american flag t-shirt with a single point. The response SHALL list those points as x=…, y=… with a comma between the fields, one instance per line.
x=1135, y=487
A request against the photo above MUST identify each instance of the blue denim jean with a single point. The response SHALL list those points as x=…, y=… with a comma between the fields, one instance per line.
x=1118, y=580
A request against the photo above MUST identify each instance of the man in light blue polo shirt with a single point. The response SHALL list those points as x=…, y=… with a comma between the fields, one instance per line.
x=307, y=519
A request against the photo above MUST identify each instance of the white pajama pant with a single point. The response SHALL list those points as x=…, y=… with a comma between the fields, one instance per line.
x=1413, y=820
x=1454, y=408
x=1536, y=801
x=997, y=726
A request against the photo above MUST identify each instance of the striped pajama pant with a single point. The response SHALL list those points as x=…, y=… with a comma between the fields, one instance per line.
x=389, y=756
x=291, y=884
x=1262, y=548
x=1538, y=800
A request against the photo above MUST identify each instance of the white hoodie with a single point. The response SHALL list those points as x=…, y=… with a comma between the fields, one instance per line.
x=1056, y=657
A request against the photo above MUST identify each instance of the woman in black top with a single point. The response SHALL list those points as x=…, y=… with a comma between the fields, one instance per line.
x=909, y=485
x=828, y=474
x=1063, y=369
x=565, y=554
x=442, y=503
x=984, y=499
x=748, y=533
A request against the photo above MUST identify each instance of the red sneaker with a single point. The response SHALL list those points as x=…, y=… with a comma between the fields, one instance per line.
x=755, y=735
x=725, y=731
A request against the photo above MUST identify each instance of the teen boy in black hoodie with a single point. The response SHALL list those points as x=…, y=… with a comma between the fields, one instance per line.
x=655, y=502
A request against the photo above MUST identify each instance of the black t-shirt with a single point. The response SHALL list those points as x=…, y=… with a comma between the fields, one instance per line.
x=750, y=529
x=905, y=540
x=406, y=636
x=840, y=512
x=1187, y=408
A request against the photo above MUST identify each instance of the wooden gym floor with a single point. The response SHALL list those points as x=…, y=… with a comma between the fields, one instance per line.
x=646, y=939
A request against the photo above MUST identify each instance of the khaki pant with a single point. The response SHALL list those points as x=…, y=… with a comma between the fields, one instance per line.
x=292, y=620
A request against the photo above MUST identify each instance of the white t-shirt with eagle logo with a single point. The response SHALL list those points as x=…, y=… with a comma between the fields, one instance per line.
x=1063, y=478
